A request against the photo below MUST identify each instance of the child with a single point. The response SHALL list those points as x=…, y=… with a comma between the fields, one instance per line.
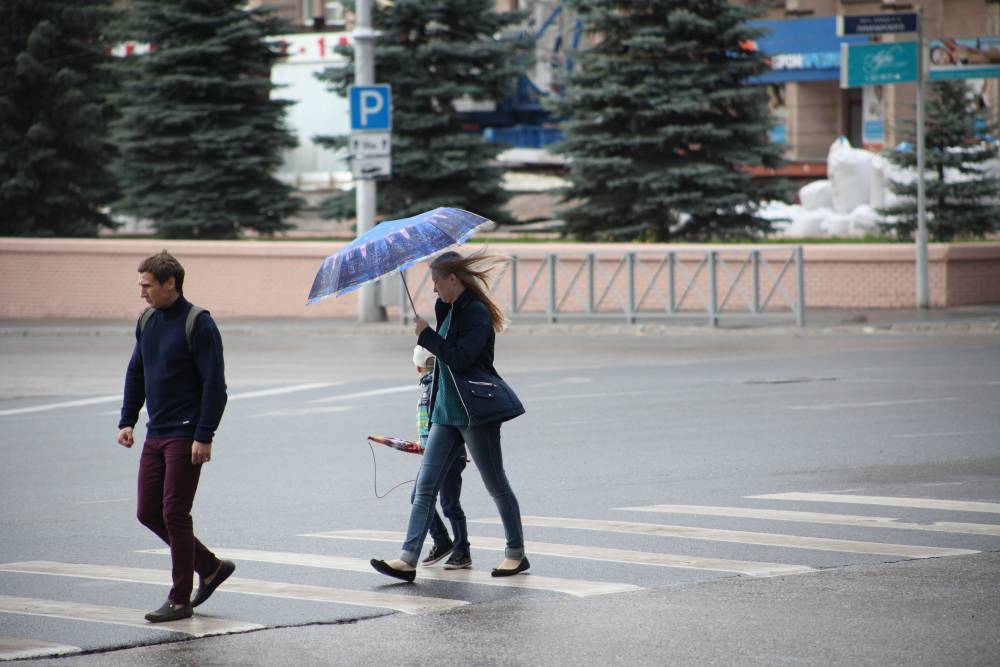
x=451, y=487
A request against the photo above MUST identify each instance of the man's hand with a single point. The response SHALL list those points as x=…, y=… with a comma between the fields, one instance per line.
x=201, y=452
x=419, y=324
x=125, y=438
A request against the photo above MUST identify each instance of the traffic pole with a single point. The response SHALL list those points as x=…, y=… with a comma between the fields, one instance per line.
x=369, y=309
x=922, y=292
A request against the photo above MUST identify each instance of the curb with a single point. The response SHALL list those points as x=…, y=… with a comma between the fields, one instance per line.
x=533, y=329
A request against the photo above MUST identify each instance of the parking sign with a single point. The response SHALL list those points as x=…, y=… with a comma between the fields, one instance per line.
x=371, y=108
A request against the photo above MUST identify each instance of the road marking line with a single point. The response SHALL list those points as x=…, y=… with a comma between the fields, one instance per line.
x=63, y=404
x=819, y=517
x=946, y=433
x=101, y=502
x=277, y=391
x=887, y=501
x=719, y=535
x=16, y=648
x=300, y=412
x=117, y=397
x=751, y=568
x=608, y=394
x=366, y=394
x=575, y=587
x=563, y=381
x=196, y=626
x=870, y=404
x=408, y=604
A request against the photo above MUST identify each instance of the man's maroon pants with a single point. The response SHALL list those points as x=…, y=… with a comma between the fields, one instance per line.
x=167, y=483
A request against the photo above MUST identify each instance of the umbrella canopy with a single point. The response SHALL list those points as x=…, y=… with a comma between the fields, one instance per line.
x=393, y=245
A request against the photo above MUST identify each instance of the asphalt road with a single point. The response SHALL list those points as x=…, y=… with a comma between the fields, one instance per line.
x=639, y=468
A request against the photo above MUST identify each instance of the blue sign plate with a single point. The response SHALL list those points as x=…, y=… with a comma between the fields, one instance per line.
x=371, y=108
x=876, y=24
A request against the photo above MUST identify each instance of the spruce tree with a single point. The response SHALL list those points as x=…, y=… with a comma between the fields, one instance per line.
x=199, y=135
x=662, y=125
x=435, y=53
x=968, y=202
x=55, y=154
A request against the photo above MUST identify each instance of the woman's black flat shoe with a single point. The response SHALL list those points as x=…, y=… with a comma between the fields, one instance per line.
x=390, y=571
x=502, y=572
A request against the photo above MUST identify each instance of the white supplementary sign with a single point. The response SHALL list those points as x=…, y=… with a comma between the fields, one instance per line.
x=370, y=144
x=368, y=168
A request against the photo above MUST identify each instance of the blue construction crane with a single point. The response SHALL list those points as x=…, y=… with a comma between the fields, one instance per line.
x=520, y=119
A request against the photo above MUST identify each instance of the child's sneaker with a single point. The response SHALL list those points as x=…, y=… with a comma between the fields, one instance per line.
x=458, y=562
x=436, y=553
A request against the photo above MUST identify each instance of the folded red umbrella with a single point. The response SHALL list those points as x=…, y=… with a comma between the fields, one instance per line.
x=396, y=443
x=400, y=444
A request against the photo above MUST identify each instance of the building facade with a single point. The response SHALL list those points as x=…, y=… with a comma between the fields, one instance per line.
x=811, y=109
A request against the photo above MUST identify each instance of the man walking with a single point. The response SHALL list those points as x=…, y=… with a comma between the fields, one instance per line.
x=177, y=370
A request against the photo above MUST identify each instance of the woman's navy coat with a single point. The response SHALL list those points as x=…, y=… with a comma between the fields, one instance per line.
x=467, y=351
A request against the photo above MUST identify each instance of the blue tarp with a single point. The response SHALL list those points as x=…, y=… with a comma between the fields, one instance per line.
x=802, y=49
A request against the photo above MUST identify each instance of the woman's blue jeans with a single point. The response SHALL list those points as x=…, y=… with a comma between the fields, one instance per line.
x=444, y=445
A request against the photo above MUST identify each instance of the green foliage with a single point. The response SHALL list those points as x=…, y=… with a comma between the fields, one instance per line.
x=435, y=53
x=966, y=206
x=54, y=147
x=661, y=125
x=200, y=137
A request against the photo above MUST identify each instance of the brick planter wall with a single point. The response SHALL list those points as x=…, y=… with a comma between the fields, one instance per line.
x=96, y=278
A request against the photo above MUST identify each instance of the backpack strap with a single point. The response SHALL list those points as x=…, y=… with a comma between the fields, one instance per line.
x=188, y=324
x=144, y=318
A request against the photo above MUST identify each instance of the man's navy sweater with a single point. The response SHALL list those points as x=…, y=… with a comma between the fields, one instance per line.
x=184, y=389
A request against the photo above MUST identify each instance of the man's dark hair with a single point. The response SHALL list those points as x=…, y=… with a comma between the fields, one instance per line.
x=163, y=265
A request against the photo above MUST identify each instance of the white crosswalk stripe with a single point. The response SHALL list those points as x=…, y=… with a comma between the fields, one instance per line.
x=405, y=603
x=17, y=648
x=196, y=626
x=750, y=568
x=576, y=587
x=887, y=501
x=822, y=518
x=720, y=535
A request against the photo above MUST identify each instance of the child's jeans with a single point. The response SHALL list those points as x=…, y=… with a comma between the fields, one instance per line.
x=449, y=495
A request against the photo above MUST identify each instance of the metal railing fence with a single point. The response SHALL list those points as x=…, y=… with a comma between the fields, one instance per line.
x=754, y=282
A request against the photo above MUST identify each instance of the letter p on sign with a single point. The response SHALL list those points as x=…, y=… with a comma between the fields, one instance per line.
x=371, y=108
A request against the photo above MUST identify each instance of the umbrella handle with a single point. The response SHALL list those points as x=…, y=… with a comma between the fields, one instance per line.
x=407, y=288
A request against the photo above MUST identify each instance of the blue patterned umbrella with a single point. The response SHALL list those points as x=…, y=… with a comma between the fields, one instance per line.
x=393, y=245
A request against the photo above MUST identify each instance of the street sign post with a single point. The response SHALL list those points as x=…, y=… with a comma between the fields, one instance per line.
x=371, y=141
x=876, y=24
x=370, y=111
x=892, y=63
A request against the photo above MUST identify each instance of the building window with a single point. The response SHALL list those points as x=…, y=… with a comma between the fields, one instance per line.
x=322, y=13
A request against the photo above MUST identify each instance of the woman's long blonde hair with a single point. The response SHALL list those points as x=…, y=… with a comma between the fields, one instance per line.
x=474, y=273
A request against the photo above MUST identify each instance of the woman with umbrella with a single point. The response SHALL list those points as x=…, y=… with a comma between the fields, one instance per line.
x=469, y=402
